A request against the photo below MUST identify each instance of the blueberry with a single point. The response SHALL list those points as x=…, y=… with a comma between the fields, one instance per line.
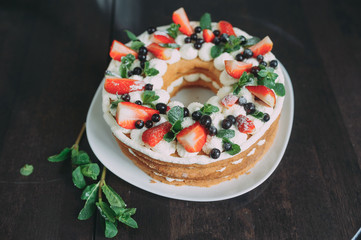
x=224, y=37
x=196, y=115
x=242, y=100
x=200, y=40
x=161, y=107
x=185, y=112
x=205, y=121
x=151, y=29
x=259, y=58
x=194, y=36
x=255, y=70
x=197, y=29
x=148, y=87
x=227, y=146
x=216, y=41
x=143, y=51
x=142, y=58
x=126, y=97
x=247, y=53
x=231, y=118
x=130, y=73
x=198, y=45
x=226, y=124
x=216, y=33
x=215, y=153
x=266, y=117
x=239, y=57
x=149, y=124
x=273, y=63
x=243, y=40
x=212, y=130
x=263, y=63
x=137, y=71
x=187, y=40
x=139, y=124
x=156, y=117
x=249, y=108
x=138, y=102
x=142, y=63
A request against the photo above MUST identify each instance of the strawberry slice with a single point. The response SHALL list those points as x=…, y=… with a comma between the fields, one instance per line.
x=154, y=135
x=244, y=124
x=226, y=27
x=208, y=35
x=128, y=113
x=116, y=85
x=160, y=52
x=161, y=37
x=263, y=93
x=262, y=47
x=118, y=50
x=180, y=17
x=229, y=100
x=193, y=137
x=235, y=69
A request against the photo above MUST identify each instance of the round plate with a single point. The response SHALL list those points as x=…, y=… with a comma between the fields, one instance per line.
x=106, y=149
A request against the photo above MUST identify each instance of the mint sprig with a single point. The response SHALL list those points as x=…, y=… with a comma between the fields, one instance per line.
x=148, y=97
x=206, y=22
x=233, y=44
x=27, y=170
x=149, y=72
x=173, y=30
x=208, y=109
x=245, y=79
x=169, y=45
x=225, y=133
x=235, y=149
x=126, y=63
x=251, y=41
x=267, y=77
x=131, y=35
x=136, y=43
x=175, y=117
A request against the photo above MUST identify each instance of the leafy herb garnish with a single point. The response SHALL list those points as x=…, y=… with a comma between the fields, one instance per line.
x=233, y=44
x=169, y=45
x=267, y=77
x=173, y=30
x=114, y=104
x=225, y=133
x=251, y=41
x=235, y=147
x=208, y=109
x=136, y=43
x=149, y=97
x=126, y=63
x=245, y=79
x=131, y=35
x=149, y=72
x=206, y=21
x=257, y=114
x=26, y=170
x=175, y=117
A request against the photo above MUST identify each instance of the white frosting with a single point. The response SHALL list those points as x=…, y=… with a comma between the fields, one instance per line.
x=219, y=61
x=174, y=84
x=261, y=142
x=157, y=81
x=188, y=52
x=192, y=77
x=158, y=64
x=205, y=78
x=205, y=52
x=175, y=57
x=212, y=142
x=194, y=106
x=226, y=79
x=251, y=152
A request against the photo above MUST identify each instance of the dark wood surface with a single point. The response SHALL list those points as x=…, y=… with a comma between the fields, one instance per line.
x=52, y=58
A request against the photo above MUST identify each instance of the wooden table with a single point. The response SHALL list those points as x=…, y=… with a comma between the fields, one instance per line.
x=52, y=59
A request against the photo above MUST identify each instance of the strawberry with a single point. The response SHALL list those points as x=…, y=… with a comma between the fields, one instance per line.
x=120, y=86
x=208, y=35
x=118, y=50
x=229, y=100
x=263, y=93
x=161, y=37
x=193, y=137
x=180, y=17
x=226, y=27
x=154, y=135
x=244, y=124
x=128, y=113
x=160, y=52
x=262, y=47
x=235, y=69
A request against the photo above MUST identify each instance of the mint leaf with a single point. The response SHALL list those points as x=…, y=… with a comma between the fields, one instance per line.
x=169, y=45
x=251, y=41
x=149, y=71
x=177, y=127
x=79, y=157
x=233, y=44
x=208, y=109
x=266, y=82
x=206, y=21
x=87, y=191
x=279, y=89
x=131, y=35
x=173, y=30
x=110, y=229
x=257, y=114
x=135, y=45
x=26, y=170
x=244, y=80
x=175, y=114
x=216, y=50
x=113, y=198
x=114, y=104
x=169, y=136
x=90, y=170
x=126, y=63
x=149, y=97
x=234, y=150
x=106, y=212
x=63, y=155
x=78, y=178
x=89, y=206
x=225, y=133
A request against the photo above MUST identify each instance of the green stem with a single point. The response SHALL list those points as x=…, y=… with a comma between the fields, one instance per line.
x=101, y=183
x=76, y=144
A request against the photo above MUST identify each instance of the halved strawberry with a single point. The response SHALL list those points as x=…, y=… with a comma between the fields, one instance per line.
x=116, y=85
x=128, y=113
x=161, y=37
x=160, y=52
x=235, y=69
x=118, y=50
x=262, y=47
x=154, y=135
x=226, y=27
x=229, y=100
x=193, y=137
x=208, y=35
x=245, y=125
x=263, y=93
x=180, y=17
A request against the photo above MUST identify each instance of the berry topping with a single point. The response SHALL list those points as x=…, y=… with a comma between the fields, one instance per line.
x=226, y=123
x=185, y=112
x=263, y=63
x=139, y=124
x=116, y=85
x=255, y=70
x=161, y=107
x=263, y=93
x=216, y=33
x=200, y=40
x=273, y=63
x=249, y=108
x=130, y=73
x=198, y=45
x=266, y=117
x=196, y=115
x=262, y=47
x=128, y=113
x=137, y=71
x=229, y=100
x=227, y=146
x=231, y=118
x=180, y=17
x=126, y=97
x=224, y=37
x=154, y=135
x=162, y=37
x=142, y=63
x=243, y=39
x=245, y=125
x=208, y=35
x=156, y=117
x=239, y=57
x=247, y=53
x=187, y=40
x=212, y=130
x=138, y=102
x=142, y=58
x=148, y=87
x=216, y=41
x=215, y=153
x=143, y=51
x=193, y=36
x=151, y=29
x=259, y=58
x=160, y=52
x=235, y=69
x=197, y=29
x=119, y=50
x=193, y=137
x=242, y=100
x=149, y=124
x=226, y=27
x=206, y=121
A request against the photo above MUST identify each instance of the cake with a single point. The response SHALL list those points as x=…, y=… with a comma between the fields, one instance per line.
x=201, y=144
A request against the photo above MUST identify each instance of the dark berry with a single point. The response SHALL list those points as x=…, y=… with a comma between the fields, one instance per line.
x=187, y=40
x=231, y=118
x=242, y=101
x=249, y=108
x=161, y=107
x=227, y=146
x=194, y=36
x=156, y=117
x=149, y=124
x=226, y=124
x=273, y=63
x=216, y=41
x=263, y=63
x=185, y=112
x=126, y=97
x=200, y=40
x=139, y=124
x=196, y=115
x=148, y=87
x=247, y=53
x=197, y=29
x=138, y=102
x=142, y=58
x=259, y=58
x=198, y=45
x=143, y=51
x=255, y=70
x=137, y=71
x=239, y=57
x=216, y=33
x=215, y=153
x=243, y=40
x=266, y=117
x=142, y=64
x=130, y=73
x=206, y=121
x=224, y=37
x=151, y=29
x=212, y=130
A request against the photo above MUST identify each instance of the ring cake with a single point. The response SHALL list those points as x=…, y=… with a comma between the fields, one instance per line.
x=201, y=144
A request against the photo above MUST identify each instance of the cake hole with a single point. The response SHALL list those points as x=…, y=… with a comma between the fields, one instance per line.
x=188, y=95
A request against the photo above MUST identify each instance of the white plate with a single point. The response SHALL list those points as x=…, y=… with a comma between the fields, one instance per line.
x=106, y=149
